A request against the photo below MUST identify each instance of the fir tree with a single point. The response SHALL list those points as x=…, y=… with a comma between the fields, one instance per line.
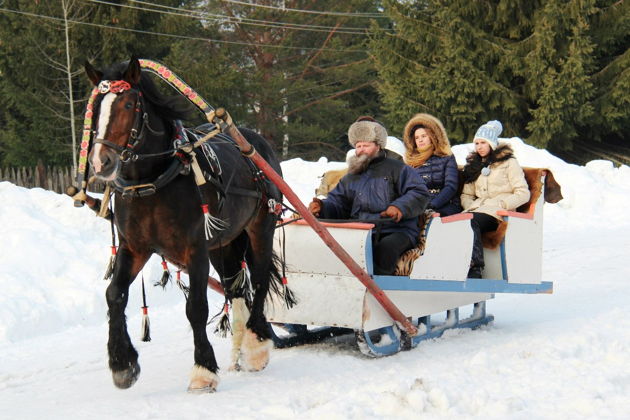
x=38, y=67
x=302, y=77
x=554, y=72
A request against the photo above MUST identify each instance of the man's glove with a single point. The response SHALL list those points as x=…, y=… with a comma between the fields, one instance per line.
x=393, y=212
x=315, y=207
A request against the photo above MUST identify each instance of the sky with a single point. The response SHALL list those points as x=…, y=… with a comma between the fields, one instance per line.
x=559, y=356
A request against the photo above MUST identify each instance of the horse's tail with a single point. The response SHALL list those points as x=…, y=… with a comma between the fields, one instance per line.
x=278, y=283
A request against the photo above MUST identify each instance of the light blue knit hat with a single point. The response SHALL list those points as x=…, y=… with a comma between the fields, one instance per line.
x=490, y=132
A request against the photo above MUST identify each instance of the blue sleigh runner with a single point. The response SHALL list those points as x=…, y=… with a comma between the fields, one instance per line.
x=331, y=301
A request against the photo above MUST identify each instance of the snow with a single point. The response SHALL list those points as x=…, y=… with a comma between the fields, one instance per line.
x=559, y=356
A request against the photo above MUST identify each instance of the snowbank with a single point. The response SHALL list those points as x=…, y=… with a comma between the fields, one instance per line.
x=565, y=355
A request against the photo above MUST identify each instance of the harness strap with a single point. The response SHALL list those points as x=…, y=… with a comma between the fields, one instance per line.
x=145, y=188
x=109, y=144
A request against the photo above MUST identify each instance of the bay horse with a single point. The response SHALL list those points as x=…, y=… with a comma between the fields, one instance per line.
x=158, y=209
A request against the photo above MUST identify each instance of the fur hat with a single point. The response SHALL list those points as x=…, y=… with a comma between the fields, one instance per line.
x=441, y=144
x=490, y=132
x=367, y=131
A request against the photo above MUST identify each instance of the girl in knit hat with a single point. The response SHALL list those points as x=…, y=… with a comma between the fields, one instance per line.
x=428, y=151
x=493, y=180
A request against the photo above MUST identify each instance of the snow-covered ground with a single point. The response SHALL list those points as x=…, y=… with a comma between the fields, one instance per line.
x=559, y=356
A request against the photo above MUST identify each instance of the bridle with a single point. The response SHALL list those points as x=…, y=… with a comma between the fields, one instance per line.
x=137, y=133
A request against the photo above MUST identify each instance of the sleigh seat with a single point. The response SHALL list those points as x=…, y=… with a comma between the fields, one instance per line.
x=539, y=180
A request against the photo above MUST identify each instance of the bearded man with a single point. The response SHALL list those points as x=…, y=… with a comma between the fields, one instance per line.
x=377, y=187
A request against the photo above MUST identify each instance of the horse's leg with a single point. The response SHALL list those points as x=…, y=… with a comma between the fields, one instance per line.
x=227, y=262
x=257, y=339
x=240, y=314
x=123, y=357
x=204, y=376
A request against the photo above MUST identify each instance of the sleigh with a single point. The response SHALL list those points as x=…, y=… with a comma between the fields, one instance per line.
x=388, y=313
x=332, y=302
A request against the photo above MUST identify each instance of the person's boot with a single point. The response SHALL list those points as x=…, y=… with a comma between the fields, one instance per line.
x=477, y=261
x=474, y=272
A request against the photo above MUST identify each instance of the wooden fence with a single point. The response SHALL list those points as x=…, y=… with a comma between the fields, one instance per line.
x=55, y=179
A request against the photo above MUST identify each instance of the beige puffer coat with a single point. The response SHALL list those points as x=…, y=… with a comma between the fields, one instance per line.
x=504, y=188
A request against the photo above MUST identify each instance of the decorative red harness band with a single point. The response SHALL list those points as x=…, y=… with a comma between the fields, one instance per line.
x=113, y=86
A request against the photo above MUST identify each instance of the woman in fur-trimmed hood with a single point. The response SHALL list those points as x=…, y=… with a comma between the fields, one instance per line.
x=493, y=181
x=428, y=151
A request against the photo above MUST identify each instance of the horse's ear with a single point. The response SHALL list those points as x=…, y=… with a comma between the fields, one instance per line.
x=132, y=74
x=94, y=75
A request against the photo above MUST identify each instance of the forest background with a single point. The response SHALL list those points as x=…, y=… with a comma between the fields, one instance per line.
x=555, y=72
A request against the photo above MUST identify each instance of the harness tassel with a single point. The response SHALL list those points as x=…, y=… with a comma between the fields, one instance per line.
x=185, y=289
x=241, y=285
x=166, y=275
x=109, y=271
x=145, y=327
x=211, y=223
x=223, y=326
x=146, y=324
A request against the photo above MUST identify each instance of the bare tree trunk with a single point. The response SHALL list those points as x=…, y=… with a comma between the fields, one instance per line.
x=41, y=179
x=65, y=7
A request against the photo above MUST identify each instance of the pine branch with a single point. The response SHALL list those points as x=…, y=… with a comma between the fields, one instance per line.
x=323, y=69
x=320, y=143
x=333, y=96
x=319, y=51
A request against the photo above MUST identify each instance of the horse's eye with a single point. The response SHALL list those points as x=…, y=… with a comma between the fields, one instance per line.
x=128, y=105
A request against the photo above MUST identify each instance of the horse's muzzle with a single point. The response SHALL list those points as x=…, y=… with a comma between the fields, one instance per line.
x=105, y=162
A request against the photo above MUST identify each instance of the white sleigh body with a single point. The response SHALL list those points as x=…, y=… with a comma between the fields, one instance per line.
x=329, y=295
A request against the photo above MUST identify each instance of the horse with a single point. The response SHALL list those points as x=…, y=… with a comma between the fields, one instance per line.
x=160, y=207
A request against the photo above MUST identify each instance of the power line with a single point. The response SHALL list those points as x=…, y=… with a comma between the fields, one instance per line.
x=284, y=9
x=200, y=15
x=120, y=28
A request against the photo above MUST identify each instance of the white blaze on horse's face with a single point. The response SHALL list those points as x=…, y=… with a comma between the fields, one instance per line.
x=114, y=124
x=101, y=130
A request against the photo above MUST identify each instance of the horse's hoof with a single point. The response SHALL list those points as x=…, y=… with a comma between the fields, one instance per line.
x=203, y=390
x=124, y=379
x=255, y=352
x=202, y=381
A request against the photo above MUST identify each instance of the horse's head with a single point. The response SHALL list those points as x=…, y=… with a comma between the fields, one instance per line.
x=118, y=117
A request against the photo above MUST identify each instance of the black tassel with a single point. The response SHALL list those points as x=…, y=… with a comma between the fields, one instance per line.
x=146, y=324
x=289, y=298
x=223, y=325
x=109, y=271
x=166, y=275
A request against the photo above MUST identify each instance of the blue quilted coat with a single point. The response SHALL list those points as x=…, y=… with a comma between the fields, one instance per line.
x=385, y=182
x=440, y=175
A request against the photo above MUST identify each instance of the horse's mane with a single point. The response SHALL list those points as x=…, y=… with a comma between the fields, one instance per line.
x=169, y=107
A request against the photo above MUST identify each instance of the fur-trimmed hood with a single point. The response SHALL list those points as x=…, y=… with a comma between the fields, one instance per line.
x=441, y=144
x=474, y=163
